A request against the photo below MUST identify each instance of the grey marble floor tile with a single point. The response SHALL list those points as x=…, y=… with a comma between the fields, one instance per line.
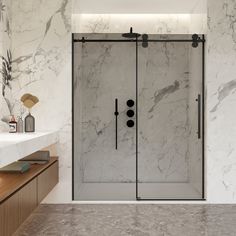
x=131, y=220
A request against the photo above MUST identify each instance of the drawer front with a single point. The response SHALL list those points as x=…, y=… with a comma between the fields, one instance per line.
x=1, y=220
x=11, y=214
x=47, y=180
x=21, y=204
x=27, y=200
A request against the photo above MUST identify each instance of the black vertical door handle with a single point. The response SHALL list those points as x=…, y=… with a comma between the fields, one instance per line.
x=116, y=113
x=199, y=116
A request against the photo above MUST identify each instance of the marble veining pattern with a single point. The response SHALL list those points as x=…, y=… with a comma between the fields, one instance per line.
x=6, y=100
x=41, y=65
x=164, y=92
x=143, y=23
x=13, y=148
x=104, y=77
x=164, y=101
x=221, y=80
x=131, y=220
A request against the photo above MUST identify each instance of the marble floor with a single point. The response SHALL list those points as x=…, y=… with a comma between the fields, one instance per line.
x=131, y=219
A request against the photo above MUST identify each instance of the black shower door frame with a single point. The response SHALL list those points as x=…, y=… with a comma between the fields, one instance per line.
x=195, y=40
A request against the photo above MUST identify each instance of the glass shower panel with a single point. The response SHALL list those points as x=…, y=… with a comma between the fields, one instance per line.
x=169, y=149
x=104, y=150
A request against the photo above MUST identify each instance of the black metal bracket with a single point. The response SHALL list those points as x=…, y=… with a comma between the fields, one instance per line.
x=196, y=40
x=83, y=40
x=145, y=40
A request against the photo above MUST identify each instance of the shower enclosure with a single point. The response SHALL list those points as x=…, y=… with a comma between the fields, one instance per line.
x=138, y=117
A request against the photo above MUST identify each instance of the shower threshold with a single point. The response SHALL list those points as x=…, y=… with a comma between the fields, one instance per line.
x=126, y=191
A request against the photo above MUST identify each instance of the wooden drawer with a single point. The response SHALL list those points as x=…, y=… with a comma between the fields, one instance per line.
x=47, y=180
x=21, y=193
x=27, y=200
x=1, y=220
x=11, y=214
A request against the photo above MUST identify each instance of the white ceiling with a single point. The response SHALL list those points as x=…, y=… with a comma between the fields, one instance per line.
x=139, y=6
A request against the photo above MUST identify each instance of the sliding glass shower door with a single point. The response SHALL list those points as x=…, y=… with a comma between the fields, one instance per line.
x=170, y=163
x=104, y=146
x=138, y=131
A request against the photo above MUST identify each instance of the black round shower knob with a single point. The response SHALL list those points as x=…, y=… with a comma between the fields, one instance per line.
x=130, y=103
x=130, y=113
x=130, y=123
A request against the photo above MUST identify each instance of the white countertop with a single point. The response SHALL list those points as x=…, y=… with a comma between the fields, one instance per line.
x=18, y=145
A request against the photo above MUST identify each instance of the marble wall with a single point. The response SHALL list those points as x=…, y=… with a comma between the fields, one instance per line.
x=2, y=24
x=102, y=78
x=41, y=65
x=143, y=23
x=2, y=12
x=163, y=111
x=221, y=88
x=6, y=99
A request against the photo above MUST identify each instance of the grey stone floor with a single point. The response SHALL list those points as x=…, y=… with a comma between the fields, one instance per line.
x=131, y=219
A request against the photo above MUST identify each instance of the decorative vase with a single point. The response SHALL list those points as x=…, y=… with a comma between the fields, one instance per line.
x=20, y=125
x=29, y=123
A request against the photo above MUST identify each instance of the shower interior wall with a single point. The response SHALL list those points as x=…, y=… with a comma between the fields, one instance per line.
x=169, y=152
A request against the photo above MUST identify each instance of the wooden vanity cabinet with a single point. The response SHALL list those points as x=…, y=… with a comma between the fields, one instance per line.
x=10, y=212
x=28, y=200
x=47, y=180
x=20, y=194
x=1, y=221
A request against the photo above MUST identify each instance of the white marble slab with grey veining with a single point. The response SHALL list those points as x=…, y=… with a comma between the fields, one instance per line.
x=14, y=146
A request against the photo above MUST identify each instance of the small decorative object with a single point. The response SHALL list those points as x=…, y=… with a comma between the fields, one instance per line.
x=39, y=157
x=29, y=101
x=29, y=123
x=16, y=167
x=20, y=124
x=12, y=125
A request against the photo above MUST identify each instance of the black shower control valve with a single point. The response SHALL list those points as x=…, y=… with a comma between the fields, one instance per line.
x=130, y=113
x=130, y=123
x=130, y=103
